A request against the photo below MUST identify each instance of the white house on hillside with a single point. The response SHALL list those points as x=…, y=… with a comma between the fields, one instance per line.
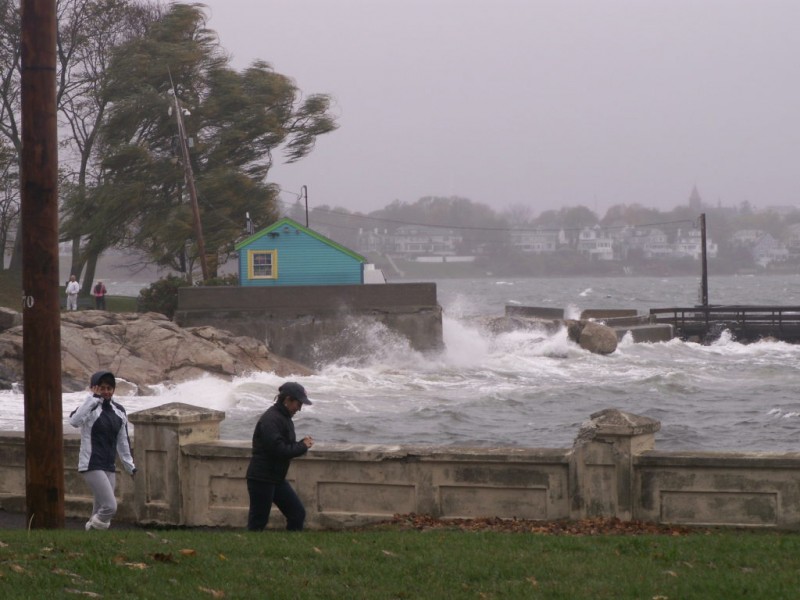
x=421, y=240
x=594, y=243
x=534, y=242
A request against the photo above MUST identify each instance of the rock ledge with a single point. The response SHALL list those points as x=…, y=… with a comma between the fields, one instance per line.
x=144, y=349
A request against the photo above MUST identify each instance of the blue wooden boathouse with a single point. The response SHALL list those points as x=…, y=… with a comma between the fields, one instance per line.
x=273, y=301
x=287, y=253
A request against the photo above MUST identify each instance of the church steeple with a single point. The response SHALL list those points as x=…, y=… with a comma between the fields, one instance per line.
x=695, y=201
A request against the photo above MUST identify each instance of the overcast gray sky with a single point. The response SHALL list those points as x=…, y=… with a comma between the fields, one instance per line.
x=546, y=103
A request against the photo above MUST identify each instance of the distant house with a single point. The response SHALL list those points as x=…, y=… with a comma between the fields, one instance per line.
x=653, y=242
x=768, y=250
x=793, y=240
x=286, y=253
x=691, y=244
x=746, y=237
x=593, y=243
x=415, y=240
x=534, y=242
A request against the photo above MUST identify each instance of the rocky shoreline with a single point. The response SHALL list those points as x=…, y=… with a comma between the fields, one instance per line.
x=143, y=349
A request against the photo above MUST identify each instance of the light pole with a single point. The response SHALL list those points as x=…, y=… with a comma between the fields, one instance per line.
x=189, y=176
x=305, y=196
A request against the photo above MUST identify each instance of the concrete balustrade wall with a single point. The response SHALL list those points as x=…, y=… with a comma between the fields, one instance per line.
x=188, y=477
x=77, y=498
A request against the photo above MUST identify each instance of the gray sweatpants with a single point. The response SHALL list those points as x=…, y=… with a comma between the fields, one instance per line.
x=102, y=485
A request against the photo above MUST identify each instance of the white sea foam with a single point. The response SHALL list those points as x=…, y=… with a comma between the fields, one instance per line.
x=572, y=311
x=527, y=386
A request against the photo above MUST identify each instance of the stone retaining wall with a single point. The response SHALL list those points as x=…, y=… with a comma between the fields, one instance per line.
x=318, y=323
x=188, y=477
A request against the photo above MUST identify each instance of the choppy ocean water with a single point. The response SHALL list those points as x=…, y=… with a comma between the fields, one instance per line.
x=529, y=389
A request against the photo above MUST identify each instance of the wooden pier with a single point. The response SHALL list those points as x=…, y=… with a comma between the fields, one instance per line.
x=746, y=323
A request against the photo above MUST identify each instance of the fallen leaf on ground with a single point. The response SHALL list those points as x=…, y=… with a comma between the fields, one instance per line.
x=188, y=552
x=16, y=569
x=138, y=566
x=214, y=593
x=82, y=593
x=65, y=572
x=581, y=527
x=388, y=553
x=317, y=550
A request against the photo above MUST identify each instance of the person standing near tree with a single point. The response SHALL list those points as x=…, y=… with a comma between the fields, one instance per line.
x=274, y=446
x=72, y=289
x=99, y=292
x=104, y=434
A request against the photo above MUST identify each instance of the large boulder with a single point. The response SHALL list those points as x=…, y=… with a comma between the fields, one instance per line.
x=144, y=350
x=591, y=336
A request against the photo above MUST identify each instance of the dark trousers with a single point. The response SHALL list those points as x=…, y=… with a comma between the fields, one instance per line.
x=263, y=494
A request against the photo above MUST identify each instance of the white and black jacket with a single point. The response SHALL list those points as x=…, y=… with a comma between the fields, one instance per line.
x=104, y=434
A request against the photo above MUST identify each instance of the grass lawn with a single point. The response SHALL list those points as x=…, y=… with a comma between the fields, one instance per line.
x=385, y=564
x=11, y=297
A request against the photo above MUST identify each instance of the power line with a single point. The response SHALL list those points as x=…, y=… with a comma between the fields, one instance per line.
x=479, y=228
x=209, y=205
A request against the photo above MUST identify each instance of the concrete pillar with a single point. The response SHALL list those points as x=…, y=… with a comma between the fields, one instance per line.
x=601, y=463
x=161, y=478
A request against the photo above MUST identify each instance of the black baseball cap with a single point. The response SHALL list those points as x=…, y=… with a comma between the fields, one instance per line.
x=296, y=391
x=103, y=376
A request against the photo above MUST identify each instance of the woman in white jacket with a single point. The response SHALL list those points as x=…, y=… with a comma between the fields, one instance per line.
x=104, y=434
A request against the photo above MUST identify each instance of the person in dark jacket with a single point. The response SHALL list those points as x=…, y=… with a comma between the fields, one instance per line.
x=104, y=434
x=274, y=446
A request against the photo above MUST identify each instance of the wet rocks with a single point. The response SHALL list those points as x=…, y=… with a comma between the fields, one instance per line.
x=145, y=350
x=589, y=335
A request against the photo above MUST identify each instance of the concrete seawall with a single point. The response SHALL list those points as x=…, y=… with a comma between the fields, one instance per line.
x=642, y=328
x=306, y=323
x=189, y=477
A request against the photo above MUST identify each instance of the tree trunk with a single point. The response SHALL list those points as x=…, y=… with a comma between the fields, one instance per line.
x=15, y=264
x=76, y=264
x=88, y=277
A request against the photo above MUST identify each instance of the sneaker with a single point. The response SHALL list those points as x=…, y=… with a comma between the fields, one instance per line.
x=95, y=523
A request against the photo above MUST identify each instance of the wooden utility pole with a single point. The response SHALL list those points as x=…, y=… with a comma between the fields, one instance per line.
x=189, y=176
x=704, y=292
x=305, y=195
x=41, y=315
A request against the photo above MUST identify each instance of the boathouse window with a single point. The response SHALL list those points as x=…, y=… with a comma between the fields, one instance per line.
x=262, y=264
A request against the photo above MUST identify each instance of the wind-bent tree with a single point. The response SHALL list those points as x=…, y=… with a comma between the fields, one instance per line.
x=87, y=31
x=9, y=196
x=236, y=122
x=10, y=98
